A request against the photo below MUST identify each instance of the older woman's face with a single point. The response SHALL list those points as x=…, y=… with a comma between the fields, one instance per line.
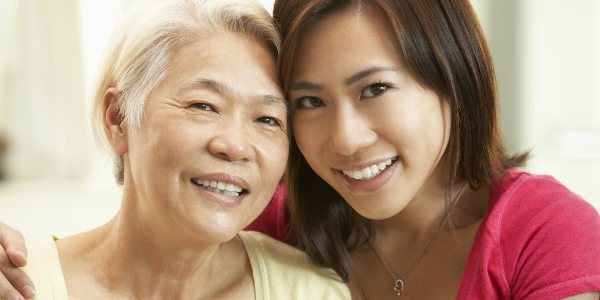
x=218, y=119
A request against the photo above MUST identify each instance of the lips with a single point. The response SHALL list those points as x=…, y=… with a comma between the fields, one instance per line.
x=370, y=171
x=225, y=188
x=375, y=181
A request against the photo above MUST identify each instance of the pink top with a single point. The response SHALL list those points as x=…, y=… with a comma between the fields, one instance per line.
x=538, y=240
x=275, y=221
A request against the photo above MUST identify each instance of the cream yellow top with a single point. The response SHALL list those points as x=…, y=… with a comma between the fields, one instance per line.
x=43, y=267
x=280, y=271
x=284, y=272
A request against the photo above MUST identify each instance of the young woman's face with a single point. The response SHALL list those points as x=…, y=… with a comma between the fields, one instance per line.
x=362, y=121
x=213, y=142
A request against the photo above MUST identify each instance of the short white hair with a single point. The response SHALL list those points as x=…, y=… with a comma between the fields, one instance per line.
x=138, y=55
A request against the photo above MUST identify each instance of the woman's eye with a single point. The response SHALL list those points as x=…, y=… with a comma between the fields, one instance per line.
x=311, y=102
x=373, y=90
x=268, y=121
x=203, y=106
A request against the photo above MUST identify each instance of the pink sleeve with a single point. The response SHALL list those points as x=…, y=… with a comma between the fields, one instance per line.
x=552, y=247
x=274, y=221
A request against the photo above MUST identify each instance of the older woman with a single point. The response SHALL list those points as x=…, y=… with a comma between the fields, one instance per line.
x=188, y=100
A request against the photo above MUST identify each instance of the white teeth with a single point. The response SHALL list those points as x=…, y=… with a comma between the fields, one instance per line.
x=366, y=173
x=374, y=169
x=228, y=189
x=369, y=172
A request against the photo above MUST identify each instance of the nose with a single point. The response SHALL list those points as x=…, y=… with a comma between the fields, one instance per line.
x=350, y=132
x=232, y=143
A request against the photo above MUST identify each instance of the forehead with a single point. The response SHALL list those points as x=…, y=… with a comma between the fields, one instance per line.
x=357, y=36
x=243, y=64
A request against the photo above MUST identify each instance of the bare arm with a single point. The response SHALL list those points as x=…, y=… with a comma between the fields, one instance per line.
x=14, y=283
x=586, y=296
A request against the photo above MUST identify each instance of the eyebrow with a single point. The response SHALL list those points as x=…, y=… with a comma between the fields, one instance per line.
x=302, y=85
x=272, y=100
x=220, y=88
x=202, y=83
x=368, y=72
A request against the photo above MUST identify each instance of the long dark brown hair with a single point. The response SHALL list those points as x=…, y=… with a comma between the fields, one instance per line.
x=445, y=49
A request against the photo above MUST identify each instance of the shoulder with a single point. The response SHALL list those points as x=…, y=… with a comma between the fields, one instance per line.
x=538, y=212
x=524, y=200
x=284, y=272
x=43, y=267
x=523, y=185
x=542, y=237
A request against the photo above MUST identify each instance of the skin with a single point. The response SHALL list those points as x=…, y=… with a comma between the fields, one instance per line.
x=14, y=283
x=218, y=115
x=355, y=104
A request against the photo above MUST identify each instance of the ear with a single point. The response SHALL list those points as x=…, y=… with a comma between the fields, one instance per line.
x=114, y=125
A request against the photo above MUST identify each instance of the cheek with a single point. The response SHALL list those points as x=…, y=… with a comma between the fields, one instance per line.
x=172, y=142
x=439, y=125
x=277, y=157
x=419, y=126
x=166, y=147
x=309, y=137
x=273, y=159
x=272, y=163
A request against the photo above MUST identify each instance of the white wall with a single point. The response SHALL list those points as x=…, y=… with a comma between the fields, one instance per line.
x=559, y=68
x=59, y=183
x=268, y=4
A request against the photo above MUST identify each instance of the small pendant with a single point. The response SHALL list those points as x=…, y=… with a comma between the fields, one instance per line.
x=399, y=287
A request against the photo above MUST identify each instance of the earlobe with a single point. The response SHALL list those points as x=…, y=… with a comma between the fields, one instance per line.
x=114, y=122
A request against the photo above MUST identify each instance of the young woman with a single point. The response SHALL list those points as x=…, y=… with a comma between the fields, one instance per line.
x=187, y=99
x=398, y=177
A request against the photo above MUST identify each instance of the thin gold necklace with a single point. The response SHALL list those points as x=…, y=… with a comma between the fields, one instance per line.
x=399, y=284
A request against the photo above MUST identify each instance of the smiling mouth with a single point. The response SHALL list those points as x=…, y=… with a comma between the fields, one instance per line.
x=370, y=172
x=226, y=189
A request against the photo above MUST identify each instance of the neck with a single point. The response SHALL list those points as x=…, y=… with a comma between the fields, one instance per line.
x=422, y=218
x=141, y=255
x=424, y=213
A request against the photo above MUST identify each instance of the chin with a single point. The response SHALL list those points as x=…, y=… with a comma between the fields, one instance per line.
x=375, y=213
x=376, y=216
x=217, y=236
x=218, y=228
x=381, y=209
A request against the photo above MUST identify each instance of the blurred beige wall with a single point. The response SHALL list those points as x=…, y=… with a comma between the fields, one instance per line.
x=558, y=67
x=545, y=52
x=548, y=68
x=58, y=181
x=42, y=117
